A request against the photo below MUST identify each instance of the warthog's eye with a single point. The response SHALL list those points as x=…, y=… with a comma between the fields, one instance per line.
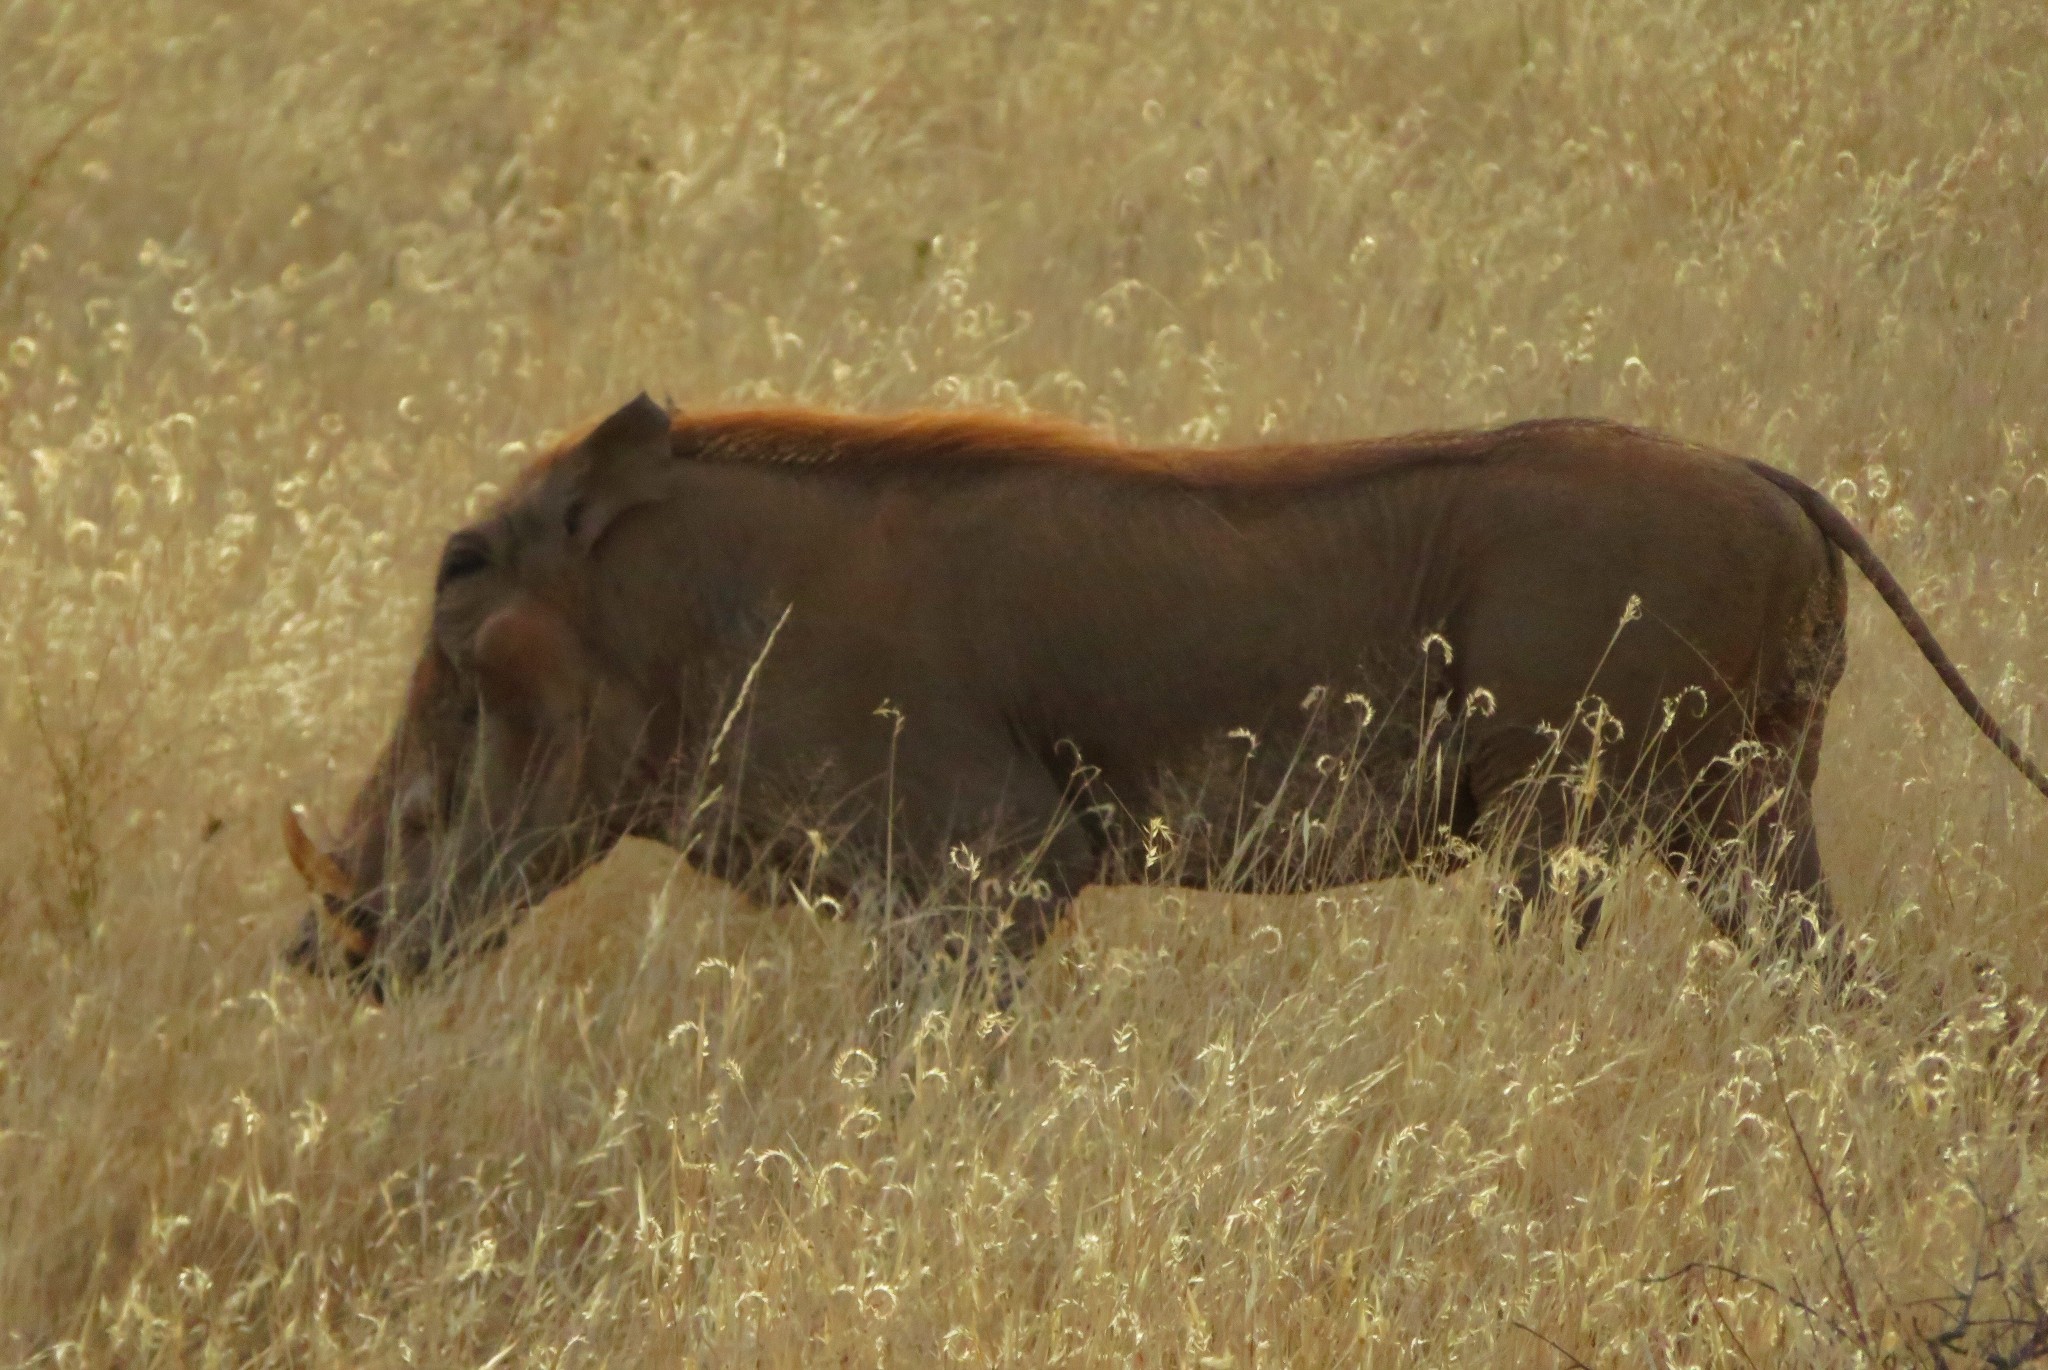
x=572, y=517
x=466, y=555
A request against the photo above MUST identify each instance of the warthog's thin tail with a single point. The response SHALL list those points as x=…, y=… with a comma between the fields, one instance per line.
x=1836, y=528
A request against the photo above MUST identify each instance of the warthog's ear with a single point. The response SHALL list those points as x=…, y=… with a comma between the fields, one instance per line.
x=627, y=460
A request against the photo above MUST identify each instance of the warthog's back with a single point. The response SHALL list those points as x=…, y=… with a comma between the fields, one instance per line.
x=1139, y=609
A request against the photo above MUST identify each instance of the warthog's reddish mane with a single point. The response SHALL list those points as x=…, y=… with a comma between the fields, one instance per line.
x=856, y=445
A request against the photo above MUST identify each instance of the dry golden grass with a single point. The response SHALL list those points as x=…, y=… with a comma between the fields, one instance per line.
x=284, y=290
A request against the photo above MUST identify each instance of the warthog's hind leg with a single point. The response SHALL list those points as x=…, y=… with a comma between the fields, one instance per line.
x=1758, y=851
x=1749, y=845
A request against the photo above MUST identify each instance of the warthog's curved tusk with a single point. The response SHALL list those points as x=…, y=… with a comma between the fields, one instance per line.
x=321, y=872
x=328, y=881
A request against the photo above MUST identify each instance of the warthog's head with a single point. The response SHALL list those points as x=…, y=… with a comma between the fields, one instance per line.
x=513, y=761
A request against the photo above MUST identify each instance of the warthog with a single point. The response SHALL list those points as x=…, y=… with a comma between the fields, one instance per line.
x=908, y=659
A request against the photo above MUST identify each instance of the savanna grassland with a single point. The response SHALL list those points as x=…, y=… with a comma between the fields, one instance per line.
x=286, y=290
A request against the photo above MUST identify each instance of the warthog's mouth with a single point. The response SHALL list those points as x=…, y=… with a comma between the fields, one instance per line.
x=336, y=942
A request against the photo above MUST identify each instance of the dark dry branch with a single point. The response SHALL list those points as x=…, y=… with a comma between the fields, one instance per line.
x=2022, y=1325
x=2017, y=1333
x=1818, y=1192
x=1524, y=1327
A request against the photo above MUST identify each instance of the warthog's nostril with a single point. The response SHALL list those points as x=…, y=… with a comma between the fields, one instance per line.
x=370, y=982
x=317, y=951
x=303, y=953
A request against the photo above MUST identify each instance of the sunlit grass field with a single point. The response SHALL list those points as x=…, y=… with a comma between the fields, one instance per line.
x=287, y=290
